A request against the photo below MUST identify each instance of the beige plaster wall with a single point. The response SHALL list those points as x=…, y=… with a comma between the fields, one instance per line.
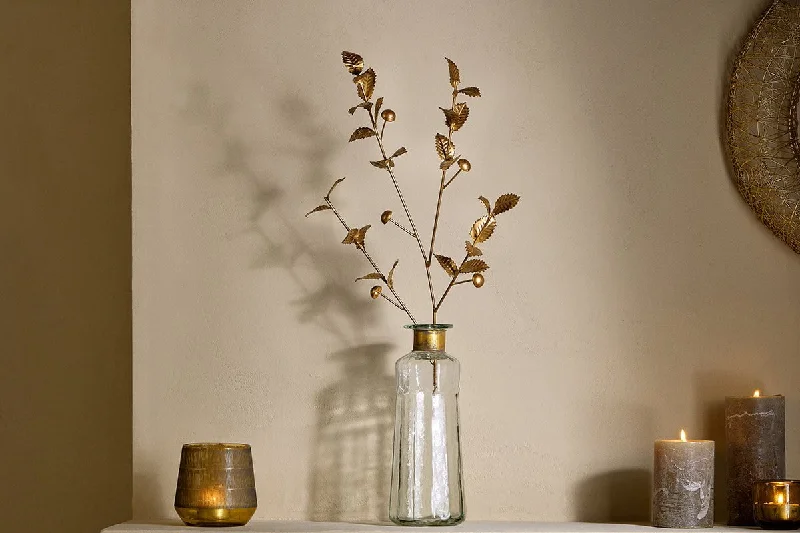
x=630, y=291
x=65, y=271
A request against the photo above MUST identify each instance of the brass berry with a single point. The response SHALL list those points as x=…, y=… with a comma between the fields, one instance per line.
x=464, y=165
x=375, y=292
x=388, y=115
x=386, y=216
x=477, y=280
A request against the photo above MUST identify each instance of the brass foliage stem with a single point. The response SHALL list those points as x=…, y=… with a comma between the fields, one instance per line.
x=434, y=306
x=433, y=240
x=450, y=285
x=397, y=224
x=393, y=303
x=363, y=249
x=451, y=179
x=481, y=230
x=453, y=280
x=379, y=138
x=414, y=233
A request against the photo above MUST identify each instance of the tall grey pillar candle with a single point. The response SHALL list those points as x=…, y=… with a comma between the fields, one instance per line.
x=755, y=433
x=683, y=484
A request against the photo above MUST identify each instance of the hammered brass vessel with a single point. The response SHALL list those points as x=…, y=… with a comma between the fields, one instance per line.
x=216, y=485
x=776, y=504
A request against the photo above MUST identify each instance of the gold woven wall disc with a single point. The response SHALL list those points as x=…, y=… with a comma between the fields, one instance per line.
x=761, y=125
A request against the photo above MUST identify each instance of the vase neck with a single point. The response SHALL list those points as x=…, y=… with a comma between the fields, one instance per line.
x=429, y=340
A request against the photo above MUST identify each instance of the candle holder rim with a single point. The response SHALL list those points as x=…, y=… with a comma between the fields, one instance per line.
x=428, y=327
x=687, y=440
x=751, y=396
x=222, y=445
x=776, y=482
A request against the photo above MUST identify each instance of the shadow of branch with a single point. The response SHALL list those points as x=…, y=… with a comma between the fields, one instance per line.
x=351, y=458
x=322, y=275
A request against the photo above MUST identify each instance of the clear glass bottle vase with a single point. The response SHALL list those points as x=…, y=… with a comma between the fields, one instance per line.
x=427, y=487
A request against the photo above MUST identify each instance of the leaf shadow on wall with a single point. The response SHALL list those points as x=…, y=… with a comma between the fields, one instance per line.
x=351, y=448
x=322, y=275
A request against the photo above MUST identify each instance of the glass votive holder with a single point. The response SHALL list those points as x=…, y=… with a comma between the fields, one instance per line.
x=776, y=504
x=216, y=485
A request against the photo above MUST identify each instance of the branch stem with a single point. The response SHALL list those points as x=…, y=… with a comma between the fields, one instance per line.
x=434, y=305
x=453, y=281
x=451, y=179
x=449, y=286
x=414, y=233
x=396, y=223
x=399, y=304
x=394, y=182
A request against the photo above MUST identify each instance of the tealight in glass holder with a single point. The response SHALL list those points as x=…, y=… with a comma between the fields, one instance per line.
x=776, y=504
x=216, y=485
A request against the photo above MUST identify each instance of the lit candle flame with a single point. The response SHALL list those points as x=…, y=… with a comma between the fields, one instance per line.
x=779, y=498
x=683, y=436
x=213, y=496
x=757, y=393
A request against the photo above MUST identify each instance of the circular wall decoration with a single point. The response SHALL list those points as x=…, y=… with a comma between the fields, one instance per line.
x=761, y=125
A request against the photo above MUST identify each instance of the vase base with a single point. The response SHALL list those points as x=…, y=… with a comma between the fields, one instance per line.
x=452, y=521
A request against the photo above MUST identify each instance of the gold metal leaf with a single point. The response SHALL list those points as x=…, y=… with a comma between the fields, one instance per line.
x=505, y=203
x=371, y=275
x=383, y=163
x=362, y=133
x=473, y=265
x=448, y=265
x=483, y=228
x=365, y=105
x=361, y=233
x=472, y=251
x=448, y=116
x=378, y=105
x=322, y=207
x=456, y=117
x=365, y=84
x=444, y=147
x=335, y=183
x=353, y=62
x=460, y=114
x=470, y=91
x=486, y=204
x=400, y=151
x=390, y=277
x=454, y=75
x=447, y=163
x=350, y=237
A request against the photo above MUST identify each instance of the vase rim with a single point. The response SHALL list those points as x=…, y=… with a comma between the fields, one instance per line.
x=434, y=327
x=216, y=445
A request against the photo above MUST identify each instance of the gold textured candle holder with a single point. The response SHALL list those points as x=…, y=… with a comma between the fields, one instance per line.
x=216, y=485
x=776, y=504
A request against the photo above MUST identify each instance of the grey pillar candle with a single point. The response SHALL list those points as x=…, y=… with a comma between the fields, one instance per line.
x=755, y=433
x=683, y=483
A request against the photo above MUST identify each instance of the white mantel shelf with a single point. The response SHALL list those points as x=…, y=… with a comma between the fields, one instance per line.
x=280, y=526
